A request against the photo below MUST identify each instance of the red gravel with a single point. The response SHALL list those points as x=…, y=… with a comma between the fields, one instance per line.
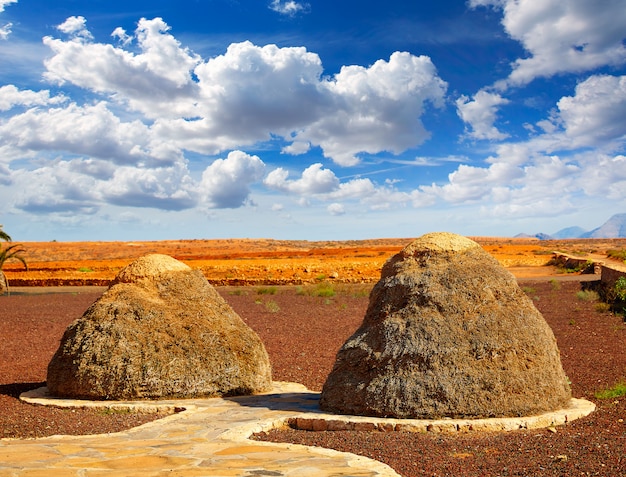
x=302, y=334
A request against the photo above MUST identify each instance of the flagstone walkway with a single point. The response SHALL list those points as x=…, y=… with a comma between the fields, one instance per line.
x=210, y=438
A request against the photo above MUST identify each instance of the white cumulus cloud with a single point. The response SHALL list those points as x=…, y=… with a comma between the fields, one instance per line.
x=289, y=8
x=76, y=27
x=595, y=114
x=315, y=180
x=336, y=209
x=252, y=93
x=4, y=3
x=11, y=96
x=562, y=35
x=377, y=108
x=5, y=30
x=226, y=182
x=480, y=114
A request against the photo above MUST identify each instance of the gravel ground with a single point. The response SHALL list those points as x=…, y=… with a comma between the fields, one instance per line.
x=302, y=332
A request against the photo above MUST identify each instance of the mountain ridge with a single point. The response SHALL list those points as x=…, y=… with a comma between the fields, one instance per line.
x=614, y=227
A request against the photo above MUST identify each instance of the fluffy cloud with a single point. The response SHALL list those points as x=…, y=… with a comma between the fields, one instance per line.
x=289, y=8
x=315, y=180
x=336, y=209
x=93, y=131
x=226, y=182
x=11, y=96
x=156, y=82
x=156, y=103
x=480, y=114
x=85, y=185
x=323, y=185
x=5, y=30
x=76, y=27
x=55, y=188
x=377, y=108
x=252, y=93
x=4, y=3
x=594, y=116
x=605, y=176
x=562, y=35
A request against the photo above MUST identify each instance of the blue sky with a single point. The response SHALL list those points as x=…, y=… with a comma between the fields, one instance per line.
x=314, y=120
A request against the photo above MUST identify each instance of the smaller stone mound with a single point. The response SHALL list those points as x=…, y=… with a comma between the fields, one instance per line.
x=448, y=333
x=160, y=331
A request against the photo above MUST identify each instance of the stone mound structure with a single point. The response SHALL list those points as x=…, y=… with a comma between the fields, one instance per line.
x=448, y=333
x=159, y=331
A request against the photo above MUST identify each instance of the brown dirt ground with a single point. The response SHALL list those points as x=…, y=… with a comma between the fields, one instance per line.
x=302, y=332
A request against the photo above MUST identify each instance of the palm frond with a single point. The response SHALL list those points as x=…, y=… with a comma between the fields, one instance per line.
x=4, y=236
x=12, y=252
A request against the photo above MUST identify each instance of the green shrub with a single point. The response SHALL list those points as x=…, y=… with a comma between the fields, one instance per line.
x=620, y=288
x=325, y=289
x=266, y=291
x=617, y=254
x=587, y=295
x=616, y=391
x=602, y=307
x=272, y=306
x=555, y=284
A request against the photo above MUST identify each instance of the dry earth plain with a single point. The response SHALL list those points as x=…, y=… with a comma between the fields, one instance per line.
x=303, y=327
x=270, y=262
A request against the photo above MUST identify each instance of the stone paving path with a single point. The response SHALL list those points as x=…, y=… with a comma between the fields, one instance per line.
x=210, y=438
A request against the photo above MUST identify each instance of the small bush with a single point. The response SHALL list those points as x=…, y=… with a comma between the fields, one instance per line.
x=324, y=289
x=620, y=288
x=602, y=307
x=266, y=291
x=616, y=391
x=272, y=306
x=529, y=290
x=617, y=254
x=85, y=270
x=587, y=295
x=555, y=284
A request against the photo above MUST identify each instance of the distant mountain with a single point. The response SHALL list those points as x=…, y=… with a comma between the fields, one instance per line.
x=539, y=236
x=569, y=232
x=615, y=227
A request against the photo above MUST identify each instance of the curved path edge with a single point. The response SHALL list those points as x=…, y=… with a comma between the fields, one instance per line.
x=210, y=437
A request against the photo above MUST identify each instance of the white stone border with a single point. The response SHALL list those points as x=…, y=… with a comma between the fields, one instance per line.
x=576, y=409
x=303, y=418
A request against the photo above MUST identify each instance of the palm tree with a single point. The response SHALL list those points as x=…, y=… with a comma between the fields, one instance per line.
x=3, y=235
x=8, y=253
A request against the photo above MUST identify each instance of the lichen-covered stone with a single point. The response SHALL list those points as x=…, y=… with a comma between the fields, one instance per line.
x=448, y=333
x=160, y=331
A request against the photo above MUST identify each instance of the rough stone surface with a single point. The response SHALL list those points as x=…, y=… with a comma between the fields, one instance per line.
x=448, y=333
x=160, y=331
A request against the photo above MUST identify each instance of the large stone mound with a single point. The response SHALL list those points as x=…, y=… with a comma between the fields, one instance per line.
x=160, y=331
x=448, y=333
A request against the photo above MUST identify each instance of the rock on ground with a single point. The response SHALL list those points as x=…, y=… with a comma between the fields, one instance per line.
x=448, y=333
x=160, y=331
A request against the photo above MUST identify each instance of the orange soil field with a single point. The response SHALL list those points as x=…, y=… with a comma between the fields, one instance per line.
x=271, y=262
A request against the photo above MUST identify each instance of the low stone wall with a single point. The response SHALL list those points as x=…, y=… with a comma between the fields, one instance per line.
x=608, y=273
x=583, y=265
